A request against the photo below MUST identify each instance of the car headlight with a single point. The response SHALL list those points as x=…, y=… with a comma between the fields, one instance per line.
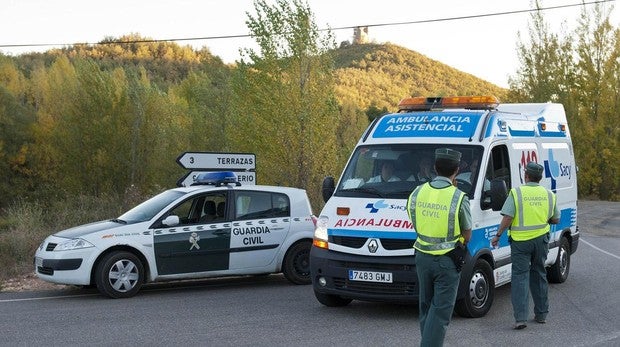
x=320, y=233
x=73, y=244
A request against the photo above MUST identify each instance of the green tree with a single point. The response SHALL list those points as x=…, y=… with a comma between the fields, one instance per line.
x=546, y=72
x=285, y=110
x=597, y=80
x=15, y=120
x=580, y=71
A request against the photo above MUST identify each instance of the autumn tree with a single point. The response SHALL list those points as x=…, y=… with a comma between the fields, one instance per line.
x=599, y=99
x=579, y=70
x=285, y=110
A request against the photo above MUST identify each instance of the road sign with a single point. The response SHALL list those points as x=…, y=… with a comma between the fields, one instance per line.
x=247, y=178
x=217, y=161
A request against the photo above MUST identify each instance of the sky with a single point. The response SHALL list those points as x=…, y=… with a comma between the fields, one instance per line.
x=484, y=47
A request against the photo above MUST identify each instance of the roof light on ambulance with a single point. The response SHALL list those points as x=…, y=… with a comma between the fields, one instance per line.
x=480, y=102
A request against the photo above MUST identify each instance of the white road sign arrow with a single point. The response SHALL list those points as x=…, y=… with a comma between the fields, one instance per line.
x=217, y=161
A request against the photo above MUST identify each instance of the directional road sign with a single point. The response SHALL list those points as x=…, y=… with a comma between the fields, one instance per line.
x=217, y=161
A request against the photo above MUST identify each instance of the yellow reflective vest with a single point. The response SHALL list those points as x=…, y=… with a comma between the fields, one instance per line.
x=534, y=206
x=436, y=218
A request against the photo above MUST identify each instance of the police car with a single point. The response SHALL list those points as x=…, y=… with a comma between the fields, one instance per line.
x=215, y=227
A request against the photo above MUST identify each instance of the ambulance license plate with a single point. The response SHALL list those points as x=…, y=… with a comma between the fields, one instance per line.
x=370, y=276
x=38, y=261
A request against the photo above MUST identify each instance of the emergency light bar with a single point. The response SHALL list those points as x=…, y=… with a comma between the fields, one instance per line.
x=421, y=103
x=216, y=178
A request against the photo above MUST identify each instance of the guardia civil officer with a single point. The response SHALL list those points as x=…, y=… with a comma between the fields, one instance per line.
x=528, y=211
x=441, y=217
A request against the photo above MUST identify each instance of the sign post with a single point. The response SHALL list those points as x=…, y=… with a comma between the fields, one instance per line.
x=242, y=164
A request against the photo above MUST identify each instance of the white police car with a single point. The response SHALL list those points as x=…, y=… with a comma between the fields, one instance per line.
x=209, y=229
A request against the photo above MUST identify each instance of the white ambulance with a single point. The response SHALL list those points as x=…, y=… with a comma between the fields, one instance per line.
x=363, y=243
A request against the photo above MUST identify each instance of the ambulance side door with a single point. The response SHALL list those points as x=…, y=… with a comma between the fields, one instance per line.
x=261, y=222
x=199, y=243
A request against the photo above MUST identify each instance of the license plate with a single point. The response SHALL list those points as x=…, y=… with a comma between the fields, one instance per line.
x=370, y=276
x=38, y=262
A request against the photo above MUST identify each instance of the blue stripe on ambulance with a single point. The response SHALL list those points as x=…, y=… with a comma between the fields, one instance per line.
x=428, y=124
x=404, y=235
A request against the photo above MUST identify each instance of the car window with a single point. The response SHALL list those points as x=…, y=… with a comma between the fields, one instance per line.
x=149, y=208
x=200, y=209
x=256, y=205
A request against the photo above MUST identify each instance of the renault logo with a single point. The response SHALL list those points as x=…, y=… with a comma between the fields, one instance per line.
x=373, y=245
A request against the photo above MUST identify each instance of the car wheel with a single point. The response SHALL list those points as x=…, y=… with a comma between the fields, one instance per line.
x=119, y=275
x=479, y=298
x=331, y=300
x=558, y=272
x=296, y=266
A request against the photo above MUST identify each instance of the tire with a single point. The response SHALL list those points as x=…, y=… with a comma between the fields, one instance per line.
x=558, y=272
x=119, y=275
x=331, y=300
x=480, y=292
x=296, y=266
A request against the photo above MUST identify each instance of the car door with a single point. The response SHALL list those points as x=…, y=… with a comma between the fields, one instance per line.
x=199, y=243
x=261, y=221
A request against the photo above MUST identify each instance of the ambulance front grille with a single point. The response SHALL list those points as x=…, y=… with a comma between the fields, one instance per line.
x=50, y=246
x=348, y=241
x=395, y=288
x=358, y=242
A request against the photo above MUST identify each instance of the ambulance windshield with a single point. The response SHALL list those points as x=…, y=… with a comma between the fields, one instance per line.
x=393, y=171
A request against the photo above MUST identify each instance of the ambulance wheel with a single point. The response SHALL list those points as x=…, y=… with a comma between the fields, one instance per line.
x=332, y=300
x=119, y=275
x=558, y=272
x=296, y=266
x=479, y=298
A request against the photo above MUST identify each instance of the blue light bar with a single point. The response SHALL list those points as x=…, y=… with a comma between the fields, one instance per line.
x=216, y=178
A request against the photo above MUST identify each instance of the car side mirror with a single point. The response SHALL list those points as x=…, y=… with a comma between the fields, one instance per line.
x=329, y=185
x=171, y=221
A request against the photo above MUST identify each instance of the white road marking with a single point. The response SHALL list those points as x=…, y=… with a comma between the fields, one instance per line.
x=47, y=297
x=598, y=249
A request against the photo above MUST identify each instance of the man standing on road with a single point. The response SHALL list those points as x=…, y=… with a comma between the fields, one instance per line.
x=528, y=211
x=441, y=217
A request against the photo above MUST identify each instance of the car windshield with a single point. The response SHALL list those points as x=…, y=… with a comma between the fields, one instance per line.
x=394, y=171
x=148, y=209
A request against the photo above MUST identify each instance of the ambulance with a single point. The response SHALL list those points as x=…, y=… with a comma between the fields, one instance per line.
x=363, y=241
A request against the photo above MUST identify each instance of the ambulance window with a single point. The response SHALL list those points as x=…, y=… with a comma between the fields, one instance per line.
x=499, y=165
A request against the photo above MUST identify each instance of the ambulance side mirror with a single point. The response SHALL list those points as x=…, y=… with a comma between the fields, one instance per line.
x=495, y=197
x=328, y=188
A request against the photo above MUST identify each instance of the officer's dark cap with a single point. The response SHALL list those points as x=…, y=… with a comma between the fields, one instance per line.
x=534, y=169
x=448, y=153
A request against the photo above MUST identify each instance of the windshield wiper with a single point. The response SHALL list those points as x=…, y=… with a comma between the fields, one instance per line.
x=368, y=190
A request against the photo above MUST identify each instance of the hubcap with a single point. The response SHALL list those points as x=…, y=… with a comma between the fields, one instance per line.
x=123, y=275
x=478, y=290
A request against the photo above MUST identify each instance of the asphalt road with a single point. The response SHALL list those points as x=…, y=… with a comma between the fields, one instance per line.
x=268, y=311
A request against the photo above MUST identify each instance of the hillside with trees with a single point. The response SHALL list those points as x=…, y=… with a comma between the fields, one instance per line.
x=380, y=75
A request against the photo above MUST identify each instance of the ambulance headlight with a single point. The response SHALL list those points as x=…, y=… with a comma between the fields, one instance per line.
x=320, y=232
x=73, y=244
